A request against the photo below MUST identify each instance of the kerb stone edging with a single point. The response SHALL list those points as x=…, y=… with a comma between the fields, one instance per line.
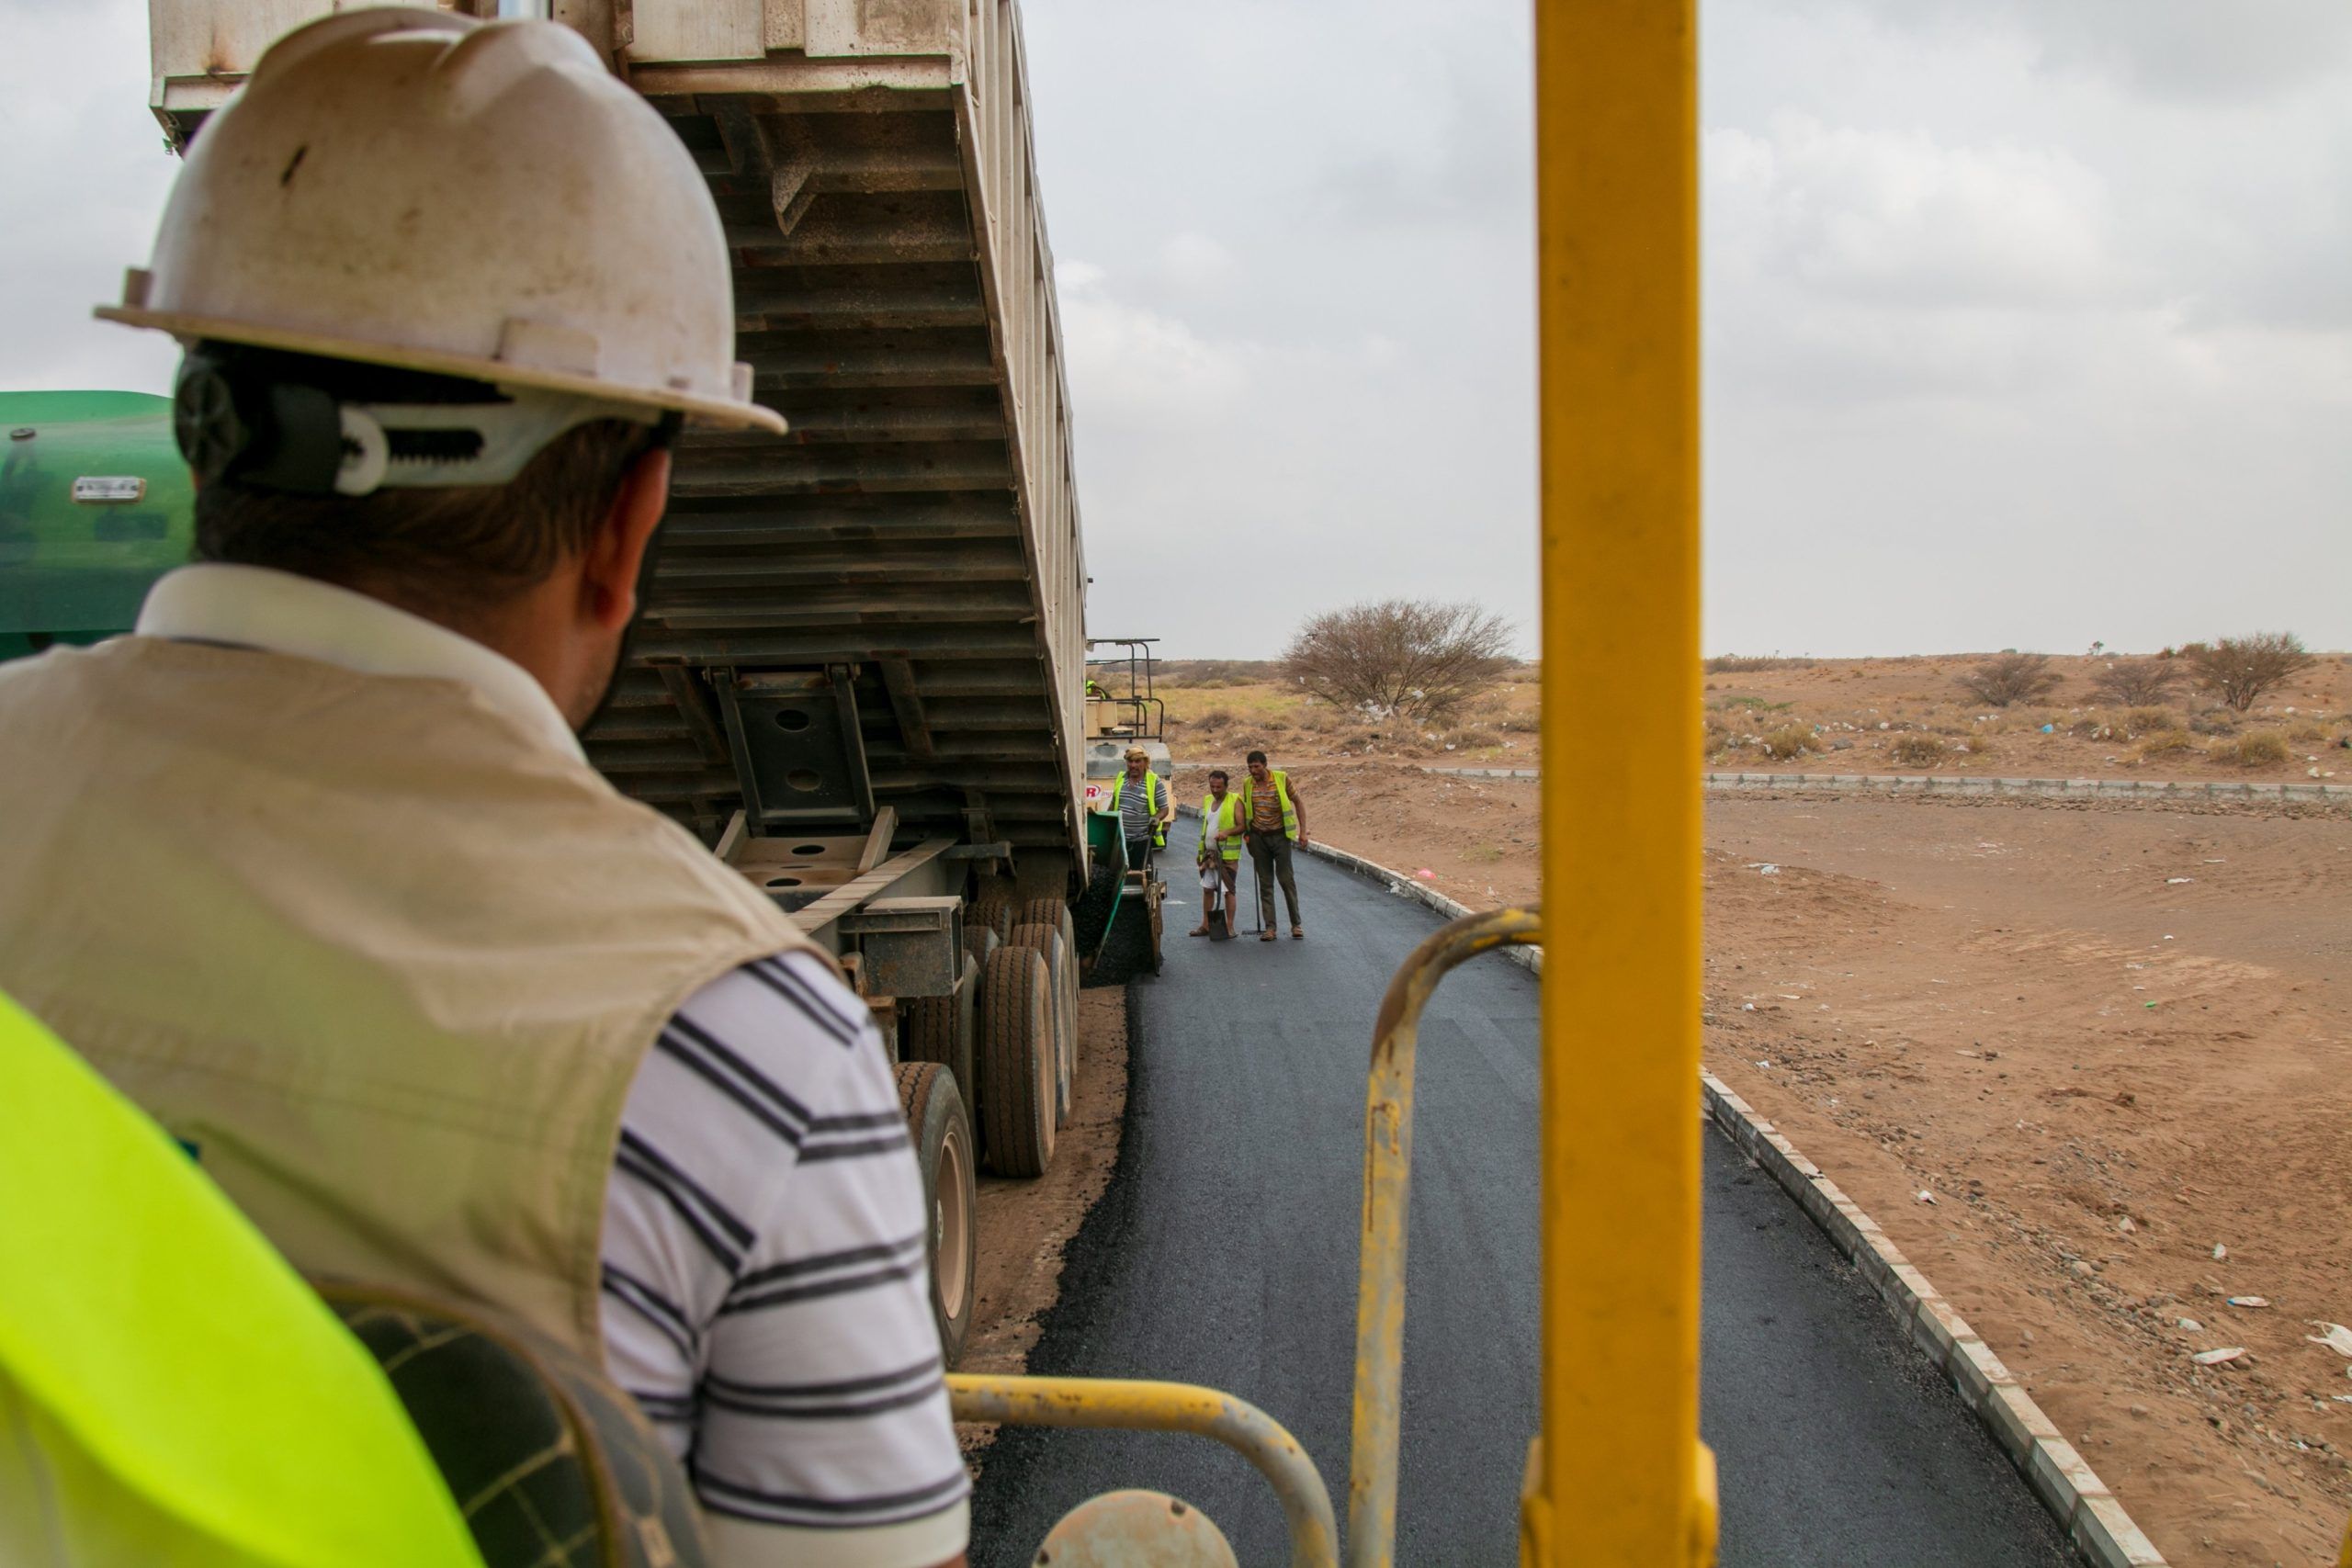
x=2059, y=1475
x=1961, y=784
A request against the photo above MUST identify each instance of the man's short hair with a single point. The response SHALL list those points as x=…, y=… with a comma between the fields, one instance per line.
x=1220, y=775
x=1255, y=757
x=464, y=548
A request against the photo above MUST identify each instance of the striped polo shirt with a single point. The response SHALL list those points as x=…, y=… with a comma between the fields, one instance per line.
x=766, y=1298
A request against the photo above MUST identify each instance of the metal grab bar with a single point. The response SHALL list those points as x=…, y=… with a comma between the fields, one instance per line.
x=1387, y=1182
x=1137, y=1405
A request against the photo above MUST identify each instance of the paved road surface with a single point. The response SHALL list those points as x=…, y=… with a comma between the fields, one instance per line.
x=1225, y=1253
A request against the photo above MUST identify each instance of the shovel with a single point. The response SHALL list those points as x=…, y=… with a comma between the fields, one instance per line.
x=1221, y=914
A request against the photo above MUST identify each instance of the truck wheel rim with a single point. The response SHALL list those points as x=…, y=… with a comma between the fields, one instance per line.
x=951, y=1222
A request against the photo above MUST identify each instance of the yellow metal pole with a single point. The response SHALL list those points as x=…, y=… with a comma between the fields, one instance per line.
x=1619, y=1477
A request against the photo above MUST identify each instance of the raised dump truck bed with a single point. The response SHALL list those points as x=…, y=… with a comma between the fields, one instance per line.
x=885, y=606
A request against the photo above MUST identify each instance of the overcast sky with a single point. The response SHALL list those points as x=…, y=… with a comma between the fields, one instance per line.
x=2029, y=321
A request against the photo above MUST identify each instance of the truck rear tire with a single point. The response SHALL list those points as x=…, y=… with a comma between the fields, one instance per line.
x=1061, y=972
x=942, y=1029
x=1016, y=1065
x=941, y=1133
x=991, y=914
x=1045, y=912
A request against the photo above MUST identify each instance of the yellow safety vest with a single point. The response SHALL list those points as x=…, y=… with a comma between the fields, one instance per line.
x=1225, y=817
x=1151, y=799
x=176, y=1393
x=1282, y=793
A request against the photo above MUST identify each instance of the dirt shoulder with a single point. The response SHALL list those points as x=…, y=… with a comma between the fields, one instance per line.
x=2109, y=1037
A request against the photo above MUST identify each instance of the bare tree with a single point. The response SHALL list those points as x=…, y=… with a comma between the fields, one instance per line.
x=2240, y=668
x=2011, y=678
x=2135, y=682
x=1417, y=659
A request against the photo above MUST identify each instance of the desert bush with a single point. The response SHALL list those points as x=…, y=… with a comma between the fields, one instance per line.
x=2167, y=743
x=2135, y=682
x=2011, y=678
x=2258, y=748
x=1979, y=746
x=1276, y=727
x=1737, y=664
x=1216, y=718
x=1790, y=742
x=2238, y=670
x=1417, y=658
x=2308, y=731
x=2212, y=721
x=1917, y=751
x=1522, y=724
x=1472, y=738
x=2147, y=721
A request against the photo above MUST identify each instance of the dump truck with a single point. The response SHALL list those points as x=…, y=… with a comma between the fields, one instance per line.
x=859, y=669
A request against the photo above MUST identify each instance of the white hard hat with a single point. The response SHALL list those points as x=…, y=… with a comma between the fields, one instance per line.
x=415, y=189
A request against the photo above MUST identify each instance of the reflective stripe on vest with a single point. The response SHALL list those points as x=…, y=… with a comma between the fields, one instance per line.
x=1282, y=793
x=1228, y=817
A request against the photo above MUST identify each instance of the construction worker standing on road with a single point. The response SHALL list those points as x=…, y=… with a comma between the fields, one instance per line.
x=313, y=866
x=1143, y=806
x=1219, y=856
x=1273, y=820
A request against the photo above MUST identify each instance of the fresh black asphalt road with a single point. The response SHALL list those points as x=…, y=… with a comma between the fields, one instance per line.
x=1225, y=1253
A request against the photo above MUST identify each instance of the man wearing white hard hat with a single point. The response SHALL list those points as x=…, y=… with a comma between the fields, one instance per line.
x=312, y=865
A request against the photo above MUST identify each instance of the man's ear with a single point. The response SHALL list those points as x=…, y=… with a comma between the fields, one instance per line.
x=609, y=572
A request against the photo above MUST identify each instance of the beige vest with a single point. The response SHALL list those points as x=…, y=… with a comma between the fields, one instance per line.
x=387, y=961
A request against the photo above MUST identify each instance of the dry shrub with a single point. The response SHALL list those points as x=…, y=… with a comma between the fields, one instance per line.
x=1276, y=727
x=2167, y=743
x=1521, y=724
x=1417, y=658
x=2259, y=749
x=1737, y=664
x=1216, y=718
x=1978, y=746
x=2240, y=668
x=1790, y=742
x=1471, y=738
x=1716, y=736
x=2011, y=678
x=2134, y=682
x=2213, y=721
x=2308, y=731
x=2147, y=721
x=1917, y=751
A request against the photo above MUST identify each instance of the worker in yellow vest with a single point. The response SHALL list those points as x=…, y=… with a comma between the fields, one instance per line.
x=313, y=866
x=174, y=1393
x=1141, y=801
x=1273, y=822
x=1219, y=856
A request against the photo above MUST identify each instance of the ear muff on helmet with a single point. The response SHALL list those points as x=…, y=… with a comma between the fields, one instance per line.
x=275, y=434
x=263, y=419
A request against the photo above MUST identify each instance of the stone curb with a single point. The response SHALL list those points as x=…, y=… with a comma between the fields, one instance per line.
x=1955, y=783
x=2093, y=1520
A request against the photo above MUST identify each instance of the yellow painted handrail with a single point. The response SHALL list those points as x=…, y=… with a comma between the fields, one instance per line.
x=1621, y=1479
x=1167, y=1407
x=1388, y=1182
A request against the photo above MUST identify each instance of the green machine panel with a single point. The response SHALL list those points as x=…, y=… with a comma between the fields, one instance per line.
x=95, y=505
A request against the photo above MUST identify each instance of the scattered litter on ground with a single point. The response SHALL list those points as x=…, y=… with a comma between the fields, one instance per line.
x=2220, y=1252
x=2125, y=1226
x=2335, y=1335
x=1768, y=869
x=2216, y=1357
x=1426, y=875
x=2190, y=1325
x=2177, y=881
x=1926, y=1196
x=2249, y=1301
